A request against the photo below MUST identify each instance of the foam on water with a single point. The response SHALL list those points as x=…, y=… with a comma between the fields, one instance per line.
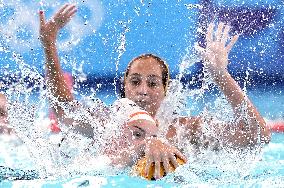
x=205, y=165
x=224, y=167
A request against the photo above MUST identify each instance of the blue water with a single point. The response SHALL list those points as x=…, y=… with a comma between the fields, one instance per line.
x=255, y=51
x=269, y=172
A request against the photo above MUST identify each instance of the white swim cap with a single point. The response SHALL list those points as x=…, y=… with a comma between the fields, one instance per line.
x=130, y=111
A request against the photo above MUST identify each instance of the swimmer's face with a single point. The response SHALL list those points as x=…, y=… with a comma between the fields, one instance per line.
x=141, y=129
x=136, y=131
x=144, y=84
x=131, y=144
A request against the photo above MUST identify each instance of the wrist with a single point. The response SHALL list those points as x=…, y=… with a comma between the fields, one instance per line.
x=48, y=40
x=217, y=72
x=151, y=137
x=155, y=138
x=47, y=43
x=216, y=67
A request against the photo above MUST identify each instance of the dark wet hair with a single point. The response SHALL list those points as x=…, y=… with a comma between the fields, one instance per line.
x=165, y=72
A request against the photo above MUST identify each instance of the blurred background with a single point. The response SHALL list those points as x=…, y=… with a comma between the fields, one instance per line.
x=105, y=35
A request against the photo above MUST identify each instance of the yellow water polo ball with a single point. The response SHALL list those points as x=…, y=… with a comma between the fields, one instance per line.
x=140, y=168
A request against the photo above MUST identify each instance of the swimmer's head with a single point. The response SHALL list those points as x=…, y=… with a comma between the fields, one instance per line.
x=138, y=122
x=142, y=124
x=136, y=125
x=145, y=82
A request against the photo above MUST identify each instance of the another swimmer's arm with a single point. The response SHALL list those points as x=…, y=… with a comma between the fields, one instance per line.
x=54, y=76
x=216, y=61
x=191, y=127
x=248, y=125
x=158, y=152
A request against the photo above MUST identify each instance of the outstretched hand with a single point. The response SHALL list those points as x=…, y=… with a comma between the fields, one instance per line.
x=49, y=29
x=218, y=47
x=159, y=153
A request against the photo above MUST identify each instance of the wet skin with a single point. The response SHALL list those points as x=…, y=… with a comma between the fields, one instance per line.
x=4, y=115
x=144, y=85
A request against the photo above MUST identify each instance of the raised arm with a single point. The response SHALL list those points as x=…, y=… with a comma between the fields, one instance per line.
x=216, y=60
x=54, y=76
x=56, y=83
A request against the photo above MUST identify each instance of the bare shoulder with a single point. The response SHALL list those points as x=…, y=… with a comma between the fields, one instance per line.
x=191, y=127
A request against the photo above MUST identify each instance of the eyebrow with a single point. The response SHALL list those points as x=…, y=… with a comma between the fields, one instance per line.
x=149, y=76
x=135, y=74
x=139, y=128
x=154, y=76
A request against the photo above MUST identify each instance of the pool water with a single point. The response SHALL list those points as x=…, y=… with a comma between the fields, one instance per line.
x=142, y=22
x=266, y=171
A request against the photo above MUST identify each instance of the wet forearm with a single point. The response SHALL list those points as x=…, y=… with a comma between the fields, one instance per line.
x=54, y=76
x=230, y=88
x=237, y=98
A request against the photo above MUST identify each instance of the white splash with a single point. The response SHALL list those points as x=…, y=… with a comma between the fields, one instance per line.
x=21, y=30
